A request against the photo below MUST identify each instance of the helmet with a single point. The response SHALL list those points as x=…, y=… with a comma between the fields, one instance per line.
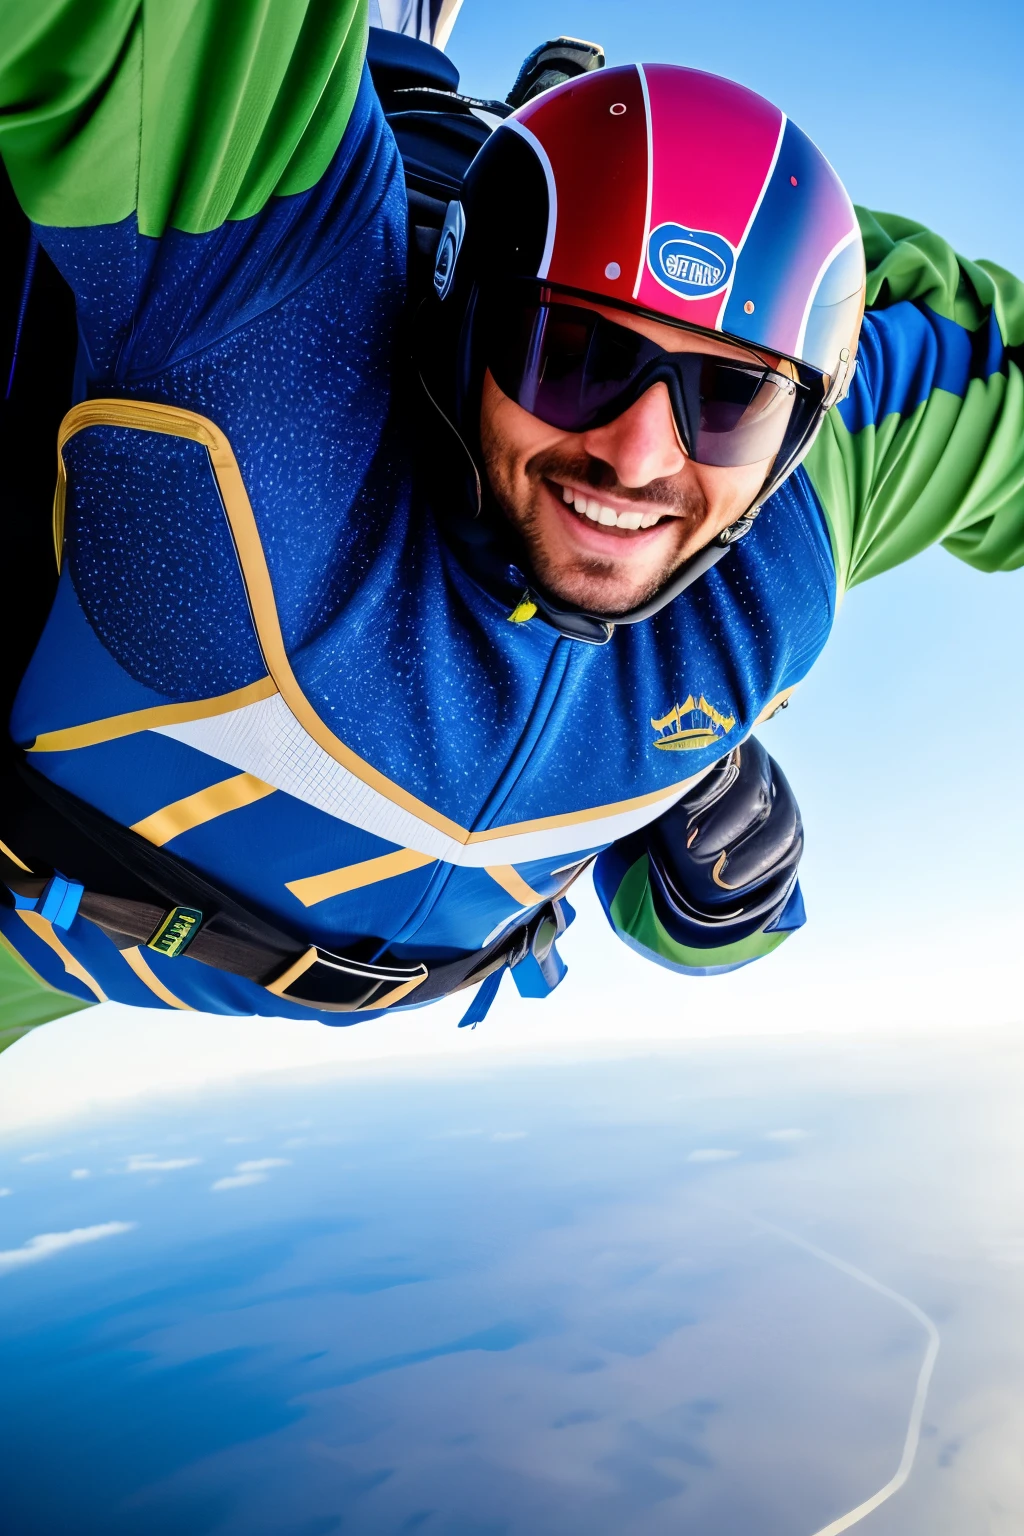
x=677, y=194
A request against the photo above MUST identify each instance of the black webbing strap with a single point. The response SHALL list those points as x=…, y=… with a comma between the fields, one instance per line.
x=146, y=893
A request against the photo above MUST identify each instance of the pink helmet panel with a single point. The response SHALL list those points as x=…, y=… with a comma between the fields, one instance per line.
x=713, y=144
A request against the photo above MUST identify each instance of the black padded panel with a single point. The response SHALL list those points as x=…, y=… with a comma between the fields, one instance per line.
x=398, y=63
x=506, y=202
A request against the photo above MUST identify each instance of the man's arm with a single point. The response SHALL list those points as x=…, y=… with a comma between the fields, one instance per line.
x=190, y=112
x=712, y=884
x=190, y=115
x=928, y=447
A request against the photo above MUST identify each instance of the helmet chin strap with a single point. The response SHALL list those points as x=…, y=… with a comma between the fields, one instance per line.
x=597, y=629
x=578, y=623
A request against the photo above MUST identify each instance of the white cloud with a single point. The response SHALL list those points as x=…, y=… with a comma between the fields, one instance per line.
x=49, y=1243
x=508, y=1136
x=711, y=1155
x=148, y=1162
x=4, y=1192
x=239, y=1180
x=81, y=1173
x=253, y=1171
x=791, y=1134
x=37, y=1157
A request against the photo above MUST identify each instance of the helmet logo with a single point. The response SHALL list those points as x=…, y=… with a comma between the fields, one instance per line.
x=693, y=263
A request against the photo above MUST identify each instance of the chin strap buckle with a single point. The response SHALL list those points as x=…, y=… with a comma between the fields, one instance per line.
x=739, y=529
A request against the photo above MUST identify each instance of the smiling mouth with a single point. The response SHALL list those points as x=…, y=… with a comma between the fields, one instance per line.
x=592, y=509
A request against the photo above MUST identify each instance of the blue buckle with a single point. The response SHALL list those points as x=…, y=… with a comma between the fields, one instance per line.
x=536, y=966
x=57, y=902
x=541, y=969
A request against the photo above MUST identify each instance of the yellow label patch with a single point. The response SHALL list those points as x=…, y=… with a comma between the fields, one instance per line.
x=176, y=931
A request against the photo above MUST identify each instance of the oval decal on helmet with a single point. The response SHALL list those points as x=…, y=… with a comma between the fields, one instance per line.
x=691, y=262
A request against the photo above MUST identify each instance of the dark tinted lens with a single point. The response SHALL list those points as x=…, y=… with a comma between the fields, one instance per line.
x=554, y=384
x=575, y=370
x=562, y=363
x=585, y=368
x=744, y=414
x=537, y=354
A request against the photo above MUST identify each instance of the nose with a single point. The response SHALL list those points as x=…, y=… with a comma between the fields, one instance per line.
x=641, y=445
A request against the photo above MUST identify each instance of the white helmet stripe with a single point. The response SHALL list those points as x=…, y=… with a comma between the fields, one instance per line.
x=549, y=176
x=650, y=180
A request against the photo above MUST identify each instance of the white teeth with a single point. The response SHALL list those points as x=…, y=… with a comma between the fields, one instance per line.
x=592, y=509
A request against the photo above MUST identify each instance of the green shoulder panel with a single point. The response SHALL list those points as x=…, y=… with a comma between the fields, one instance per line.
x=190, y=111
x=26, y=1000
x=901, y=465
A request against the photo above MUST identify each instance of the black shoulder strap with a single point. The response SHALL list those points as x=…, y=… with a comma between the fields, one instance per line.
x=438, y=129
x=38, y=343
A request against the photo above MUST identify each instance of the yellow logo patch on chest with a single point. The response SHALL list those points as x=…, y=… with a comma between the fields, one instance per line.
x=691, y=726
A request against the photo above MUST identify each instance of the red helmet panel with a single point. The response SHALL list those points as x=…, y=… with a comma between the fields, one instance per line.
x=595, y=141
x=692, y=196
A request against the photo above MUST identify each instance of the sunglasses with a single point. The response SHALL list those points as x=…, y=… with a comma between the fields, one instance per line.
x=576, y=370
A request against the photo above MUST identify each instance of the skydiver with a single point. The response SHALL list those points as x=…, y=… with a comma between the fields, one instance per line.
x=378, y=623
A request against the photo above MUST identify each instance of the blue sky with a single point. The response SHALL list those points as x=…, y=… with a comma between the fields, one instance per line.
x=905, y=744
x=917, y=106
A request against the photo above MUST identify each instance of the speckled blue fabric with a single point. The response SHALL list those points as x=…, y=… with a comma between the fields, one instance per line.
x=284, y=330
x=153, y=565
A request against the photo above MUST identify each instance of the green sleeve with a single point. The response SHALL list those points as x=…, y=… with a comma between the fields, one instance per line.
x=632, y=914
x=929, y=445
x=26, y=1000
x=190, y=111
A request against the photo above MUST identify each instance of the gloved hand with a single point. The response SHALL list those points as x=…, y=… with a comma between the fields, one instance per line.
x=563, y=58
x=724, y=859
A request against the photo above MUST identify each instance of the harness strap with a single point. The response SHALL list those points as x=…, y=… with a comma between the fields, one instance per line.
x=215, y=929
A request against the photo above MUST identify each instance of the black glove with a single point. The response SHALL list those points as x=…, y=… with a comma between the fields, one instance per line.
x=724, y=859
x=563, y=58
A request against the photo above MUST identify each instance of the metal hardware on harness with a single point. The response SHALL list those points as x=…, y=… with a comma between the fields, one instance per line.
x=319, y=979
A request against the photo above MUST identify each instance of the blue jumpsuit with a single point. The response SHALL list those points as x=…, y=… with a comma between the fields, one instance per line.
x=265, y=658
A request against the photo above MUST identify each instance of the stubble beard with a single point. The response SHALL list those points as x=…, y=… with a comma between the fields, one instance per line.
x=592, y=582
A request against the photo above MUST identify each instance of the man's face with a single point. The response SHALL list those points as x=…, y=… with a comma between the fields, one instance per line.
x=608, y=515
